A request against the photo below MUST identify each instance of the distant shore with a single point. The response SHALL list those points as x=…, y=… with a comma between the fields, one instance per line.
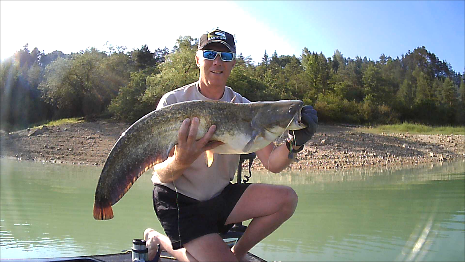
x=332, y=147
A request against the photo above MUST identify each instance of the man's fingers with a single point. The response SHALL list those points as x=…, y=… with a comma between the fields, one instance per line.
x=188, y=132
x=184, y=130
x=193, y=130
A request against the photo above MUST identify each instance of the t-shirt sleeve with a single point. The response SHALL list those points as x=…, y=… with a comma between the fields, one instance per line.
x=166, y=100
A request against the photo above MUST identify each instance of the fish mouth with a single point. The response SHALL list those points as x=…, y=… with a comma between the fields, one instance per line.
x=296, y=122
x=298, y=119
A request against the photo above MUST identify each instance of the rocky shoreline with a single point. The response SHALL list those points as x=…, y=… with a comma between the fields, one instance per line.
x=333, y=147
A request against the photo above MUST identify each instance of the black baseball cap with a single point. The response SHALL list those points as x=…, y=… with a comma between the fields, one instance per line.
x=218, y=36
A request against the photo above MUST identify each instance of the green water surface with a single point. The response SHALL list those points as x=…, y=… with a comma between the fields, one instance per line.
x=415, y=214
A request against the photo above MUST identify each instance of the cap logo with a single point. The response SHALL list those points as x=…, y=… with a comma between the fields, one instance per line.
x=217, y=35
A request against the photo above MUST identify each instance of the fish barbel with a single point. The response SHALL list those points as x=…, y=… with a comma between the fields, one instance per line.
x=243, y=128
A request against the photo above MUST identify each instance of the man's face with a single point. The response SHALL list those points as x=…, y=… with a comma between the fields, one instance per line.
x=214, y=72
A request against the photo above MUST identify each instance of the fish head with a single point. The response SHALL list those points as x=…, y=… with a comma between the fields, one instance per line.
x=279, y=116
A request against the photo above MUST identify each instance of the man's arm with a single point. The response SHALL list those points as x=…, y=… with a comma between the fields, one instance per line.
x=273, y=158
x=276, y=159
x=185, y=152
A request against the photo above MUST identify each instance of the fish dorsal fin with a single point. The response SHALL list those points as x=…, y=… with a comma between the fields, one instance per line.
x=234, y=98
x=209, y=155
x=256, y=130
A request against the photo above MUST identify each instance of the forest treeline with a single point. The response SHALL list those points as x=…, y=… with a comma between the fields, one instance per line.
x=417, y=87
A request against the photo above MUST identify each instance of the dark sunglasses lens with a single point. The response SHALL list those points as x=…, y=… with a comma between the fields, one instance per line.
x=210, y=55
x=226, y=56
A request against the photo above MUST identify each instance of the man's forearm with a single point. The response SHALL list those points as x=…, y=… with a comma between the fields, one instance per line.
x=275, y=159
x=167, y=171
x=279, y=159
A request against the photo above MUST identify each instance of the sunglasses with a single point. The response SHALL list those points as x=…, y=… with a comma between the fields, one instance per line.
x=225, y=56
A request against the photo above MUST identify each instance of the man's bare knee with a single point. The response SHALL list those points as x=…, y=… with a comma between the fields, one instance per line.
x=290, y=200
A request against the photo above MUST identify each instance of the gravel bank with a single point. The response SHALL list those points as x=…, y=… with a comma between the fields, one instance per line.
x=333, y=147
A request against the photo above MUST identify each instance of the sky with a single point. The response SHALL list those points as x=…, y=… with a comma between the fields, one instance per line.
x=355, y=28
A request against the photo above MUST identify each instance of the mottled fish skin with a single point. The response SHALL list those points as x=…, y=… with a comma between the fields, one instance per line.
x=243, y=128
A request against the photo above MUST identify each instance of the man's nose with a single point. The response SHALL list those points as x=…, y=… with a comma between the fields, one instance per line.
x=217, y=59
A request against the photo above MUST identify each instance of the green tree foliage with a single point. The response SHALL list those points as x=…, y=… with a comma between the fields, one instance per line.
x=145, y=59
x=85, y=83
x=178, y=70
x=461, y=101
x=245, y=83
x=128, y=105
x=462, y=92
x=373, y=84
x=20, y=98
x=416, y=87
x=448, y=101
x=316, y=73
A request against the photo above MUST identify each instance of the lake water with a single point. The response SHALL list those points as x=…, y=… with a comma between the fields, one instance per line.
x=386, y=215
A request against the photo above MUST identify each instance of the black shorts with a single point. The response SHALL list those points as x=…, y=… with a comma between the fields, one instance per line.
x=185, y=219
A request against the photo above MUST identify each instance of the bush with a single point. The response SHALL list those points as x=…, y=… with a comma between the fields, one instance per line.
x=129, y=104
x=332, y=108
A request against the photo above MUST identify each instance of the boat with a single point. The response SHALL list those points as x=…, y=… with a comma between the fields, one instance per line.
x=118, y=257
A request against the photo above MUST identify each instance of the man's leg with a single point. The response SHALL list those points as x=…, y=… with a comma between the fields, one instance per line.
x=152, y=238
x=268, y=206
x=210, y=247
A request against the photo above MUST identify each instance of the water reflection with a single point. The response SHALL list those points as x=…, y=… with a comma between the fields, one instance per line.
x=403, y=215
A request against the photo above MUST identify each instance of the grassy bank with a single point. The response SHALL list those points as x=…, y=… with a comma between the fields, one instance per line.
x=62, y=121
x=417, y=129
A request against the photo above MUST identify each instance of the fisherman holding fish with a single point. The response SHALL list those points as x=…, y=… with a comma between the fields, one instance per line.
x=195, y=202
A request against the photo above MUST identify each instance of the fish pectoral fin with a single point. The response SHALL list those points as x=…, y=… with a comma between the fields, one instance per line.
x=251, y=141
x=209, y=155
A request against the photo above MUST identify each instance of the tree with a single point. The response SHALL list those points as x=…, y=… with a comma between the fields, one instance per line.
x=417, y=87
x=316, y=71
x=373, y=85
x=20, y=98
x=405, y=94
x=265, y=59
x=84, y=84
x=338, y=61
x=129, y=105
x=462, y=92
x=46, y=59
x=422, y=93
x=449, y=94
x=461, y=107
x=178, y=70
x=245, y=84
x=144, y=58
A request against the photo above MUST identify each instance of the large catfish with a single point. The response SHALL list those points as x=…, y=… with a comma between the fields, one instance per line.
x=243, y=128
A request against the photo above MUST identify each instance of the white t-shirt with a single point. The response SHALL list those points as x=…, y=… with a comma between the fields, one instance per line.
x=200, y=181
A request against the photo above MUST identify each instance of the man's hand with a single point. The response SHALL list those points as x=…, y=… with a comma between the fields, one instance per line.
x=188, y=148
x=310, y=119
x=185, y=152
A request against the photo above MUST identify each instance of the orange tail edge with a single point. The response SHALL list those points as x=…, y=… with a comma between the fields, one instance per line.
x=102, y=212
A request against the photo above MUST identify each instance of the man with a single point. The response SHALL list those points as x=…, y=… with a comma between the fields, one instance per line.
x=194, y=202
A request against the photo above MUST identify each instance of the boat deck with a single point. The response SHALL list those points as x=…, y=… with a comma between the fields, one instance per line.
x=120, y=257
x=165, y=257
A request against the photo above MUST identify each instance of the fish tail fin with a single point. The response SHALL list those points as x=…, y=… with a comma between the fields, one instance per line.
x=102, y=211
